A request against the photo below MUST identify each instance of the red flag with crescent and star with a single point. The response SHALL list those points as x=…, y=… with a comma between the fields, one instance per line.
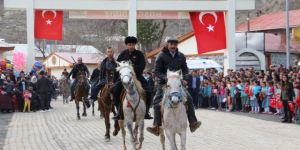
x=48, y=24
x=209, y=29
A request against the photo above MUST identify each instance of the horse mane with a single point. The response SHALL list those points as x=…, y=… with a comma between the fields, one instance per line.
x=137, y=83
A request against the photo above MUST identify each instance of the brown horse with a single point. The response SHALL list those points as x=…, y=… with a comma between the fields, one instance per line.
x=106, y=106
x=81, y=94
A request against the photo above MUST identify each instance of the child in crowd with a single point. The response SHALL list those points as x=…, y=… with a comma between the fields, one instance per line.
x=238, y=95
x=232, y=96
x=297, y=102
x=27, y=95
x=278, y=100
x=245, y=97
x=269, y=94
x=214, y=97
x=255, y=97
x=222, y=95
x=228, y=97
x=264, y=96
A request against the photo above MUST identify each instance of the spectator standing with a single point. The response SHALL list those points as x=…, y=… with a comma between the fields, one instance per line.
x=43, y=90
x=287, y=94
x=193, y=87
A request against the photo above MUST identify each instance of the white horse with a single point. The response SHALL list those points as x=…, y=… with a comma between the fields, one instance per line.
x=133, y=105
x=174, y=111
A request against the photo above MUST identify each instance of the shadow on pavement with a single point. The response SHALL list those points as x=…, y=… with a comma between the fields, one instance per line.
x=5, y=119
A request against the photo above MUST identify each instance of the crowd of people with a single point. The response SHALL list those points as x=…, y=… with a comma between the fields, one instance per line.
x=274, y=91
x=26, y=92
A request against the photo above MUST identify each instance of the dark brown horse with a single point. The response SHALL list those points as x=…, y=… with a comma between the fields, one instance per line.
x=106, y=106
x=81, y=94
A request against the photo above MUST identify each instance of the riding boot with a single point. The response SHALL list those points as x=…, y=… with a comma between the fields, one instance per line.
x=148, y=103
x=157, y=121
x=72, y=94
x=73, y=90
x=120, y=114
x=194, y=123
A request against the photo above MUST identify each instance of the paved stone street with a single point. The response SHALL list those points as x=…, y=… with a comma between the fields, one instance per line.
x=59, y=129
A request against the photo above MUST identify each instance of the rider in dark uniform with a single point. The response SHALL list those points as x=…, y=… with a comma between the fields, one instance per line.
x=79, y=67
x=170, y=58
x=107, y=71
x=95, y=77
x=138, y=61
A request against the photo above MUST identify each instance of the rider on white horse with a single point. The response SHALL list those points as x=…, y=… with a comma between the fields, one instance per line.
x=170, y=58
x=137, y=58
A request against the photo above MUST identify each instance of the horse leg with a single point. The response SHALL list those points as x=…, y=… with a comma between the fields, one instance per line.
x=141, y=138
x=116, y=125
x=107, y=124
x=130, y=130
x=135, y=133
x=93, y=104
x=183, y=139
x=171, y=138
x=121, y=124
x=117, y=128
x=77, y=107
x=162, y=138
x=84, y=109
x=100, y=107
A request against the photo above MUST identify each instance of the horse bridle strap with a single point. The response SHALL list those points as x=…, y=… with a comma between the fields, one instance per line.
x=134, y=109
x=130, y=77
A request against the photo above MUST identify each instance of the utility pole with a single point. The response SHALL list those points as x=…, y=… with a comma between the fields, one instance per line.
x=287, y=33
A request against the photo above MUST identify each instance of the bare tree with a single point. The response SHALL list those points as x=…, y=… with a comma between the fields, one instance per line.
x=41, y=46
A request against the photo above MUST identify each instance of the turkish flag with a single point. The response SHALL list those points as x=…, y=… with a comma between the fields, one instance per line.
x=48, y=24
x=209, y=29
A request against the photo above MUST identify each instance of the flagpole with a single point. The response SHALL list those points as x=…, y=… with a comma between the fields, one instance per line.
x=287, y=34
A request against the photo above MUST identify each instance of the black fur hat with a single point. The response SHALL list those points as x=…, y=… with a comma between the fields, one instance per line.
x=131, y=39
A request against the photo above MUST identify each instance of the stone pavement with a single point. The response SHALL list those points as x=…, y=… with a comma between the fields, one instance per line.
x=60, y=130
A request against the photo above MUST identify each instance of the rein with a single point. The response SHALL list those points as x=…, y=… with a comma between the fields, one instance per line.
x=132, y=93
x=168, y=101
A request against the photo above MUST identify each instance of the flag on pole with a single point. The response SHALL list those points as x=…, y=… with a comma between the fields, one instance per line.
x=209, y=29
x=48, y=24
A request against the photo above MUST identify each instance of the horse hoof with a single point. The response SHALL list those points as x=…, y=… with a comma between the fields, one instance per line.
x=84, y=115
x=78, y=118
x=115, y=133
x=107, y=139
x=124, y=148
x=139, y=146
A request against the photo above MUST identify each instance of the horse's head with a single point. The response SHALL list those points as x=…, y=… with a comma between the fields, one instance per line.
x=174, y=89
x=81, y=78
x=126, y=72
